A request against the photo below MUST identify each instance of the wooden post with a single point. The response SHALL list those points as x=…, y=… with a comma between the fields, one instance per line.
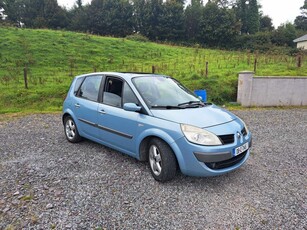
x=207, y=65
x=25, y=76
x=299, y=61
x=255, y=65
x=71, y=65
x=153, y=69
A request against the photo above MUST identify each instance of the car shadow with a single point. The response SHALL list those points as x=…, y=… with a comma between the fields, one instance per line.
x=198, y=182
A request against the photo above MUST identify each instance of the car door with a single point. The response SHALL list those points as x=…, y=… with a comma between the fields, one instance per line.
x=118, y=127
x=86, y=105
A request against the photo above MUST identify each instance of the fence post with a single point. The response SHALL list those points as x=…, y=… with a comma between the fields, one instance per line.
x=255, y=65
x=299, y=61
x=25, y=76
x=207, y=70
x=72, y=66
x=153, y=69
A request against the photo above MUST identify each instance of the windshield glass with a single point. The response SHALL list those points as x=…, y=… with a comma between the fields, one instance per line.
x=165, y=93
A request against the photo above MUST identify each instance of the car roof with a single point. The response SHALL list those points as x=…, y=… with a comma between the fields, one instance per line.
x=124, y=75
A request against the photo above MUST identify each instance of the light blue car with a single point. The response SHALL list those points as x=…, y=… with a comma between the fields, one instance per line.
x=154, y=118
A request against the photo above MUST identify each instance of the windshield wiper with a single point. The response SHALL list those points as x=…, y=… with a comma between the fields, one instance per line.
x=192, y=104
x=167, y=107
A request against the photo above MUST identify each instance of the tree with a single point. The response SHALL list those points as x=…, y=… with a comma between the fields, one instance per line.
x=248, y=14
x=284, y=35
x=1, y=14
x=43, y=13
x=154, y=12
x=79, y=4
x=172, y=20
x=108, y=17
x=55, y=15
x=300, y=23
x=218, y=26
x=301, y=20
x=253, y=17
x=139, y=16
x=78, y=17
x=241, y=11
x=260, y=41
x=192, y=17
x=304, y=8
x=225, y=3
x=12, y=10
x=149, y=18
x=266, y=23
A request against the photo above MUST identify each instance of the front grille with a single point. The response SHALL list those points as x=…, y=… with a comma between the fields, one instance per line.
x=227, y=139
x=244, y=132
x=227, y=163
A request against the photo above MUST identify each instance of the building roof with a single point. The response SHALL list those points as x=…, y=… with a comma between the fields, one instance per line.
x=301, y=39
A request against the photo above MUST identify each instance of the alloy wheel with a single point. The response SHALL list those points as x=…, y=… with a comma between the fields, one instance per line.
x=70, y=129
x=155, y=160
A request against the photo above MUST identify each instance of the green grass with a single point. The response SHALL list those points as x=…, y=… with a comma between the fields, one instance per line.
x=54, y=57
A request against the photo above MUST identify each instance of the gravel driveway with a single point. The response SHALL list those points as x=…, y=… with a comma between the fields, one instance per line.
x=48, y=183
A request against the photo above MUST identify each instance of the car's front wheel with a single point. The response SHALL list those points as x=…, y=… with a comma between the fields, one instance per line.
x=71, y=131
x=162, y=161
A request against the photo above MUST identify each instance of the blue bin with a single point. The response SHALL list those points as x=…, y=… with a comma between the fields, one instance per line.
x=201, y=93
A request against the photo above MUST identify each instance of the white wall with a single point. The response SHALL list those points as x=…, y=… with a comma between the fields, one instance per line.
x=302, y=45
x=271, y=91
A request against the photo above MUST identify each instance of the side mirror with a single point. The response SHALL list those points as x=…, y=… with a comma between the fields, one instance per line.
x=132, y=107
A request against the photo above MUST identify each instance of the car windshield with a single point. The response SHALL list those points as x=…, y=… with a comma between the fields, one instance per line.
x=165, y=93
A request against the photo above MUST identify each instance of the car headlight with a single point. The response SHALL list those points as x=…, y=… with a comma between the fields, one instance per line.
x=245, y=126
x=199, y=136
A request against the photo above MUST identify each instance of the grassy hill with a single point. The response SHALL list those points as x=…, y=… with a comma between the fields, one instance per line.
x=54, y=57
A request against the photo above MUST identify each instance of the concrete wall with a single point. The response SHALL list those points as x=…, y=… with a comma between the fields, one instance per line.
x=271, y=91
x=302, y=45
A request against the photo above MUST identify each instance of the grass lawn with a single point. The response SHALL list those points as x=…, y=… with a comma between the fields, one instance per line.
x=53, y=58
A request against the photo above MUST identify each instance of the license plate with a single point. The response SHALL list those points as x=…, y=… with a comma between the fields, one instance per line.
x=240, y=149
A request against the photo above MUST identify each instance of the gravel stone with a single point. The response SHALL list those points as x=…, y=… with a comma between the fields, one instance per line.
x=49, y=206
x=89, y=186
x=16, y=193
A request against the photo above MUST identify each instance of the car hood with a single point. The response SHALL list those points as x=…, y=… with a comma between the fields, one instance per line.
x=201, y=117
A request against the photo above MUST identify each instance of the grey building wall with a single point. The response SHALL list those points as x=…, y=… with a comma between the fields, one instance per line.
x=271, y=91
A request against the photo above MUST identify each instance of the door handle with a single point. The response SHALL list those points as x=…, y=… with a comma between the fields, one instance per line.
x=77, y=105
x=102, y=112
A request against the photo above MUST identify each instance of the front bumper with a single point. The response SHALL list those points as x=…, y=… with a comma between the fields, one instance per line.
x=198, y=160
x=217, y=157
x=212, y=157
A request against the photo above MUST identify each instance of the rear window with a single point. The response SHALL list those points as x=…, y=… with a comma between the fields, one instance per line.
x=77, y=84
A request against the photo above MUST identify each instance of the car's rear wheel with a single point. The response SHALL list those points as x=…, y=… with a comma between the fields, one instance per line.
x=71, y=130
x=162, y=161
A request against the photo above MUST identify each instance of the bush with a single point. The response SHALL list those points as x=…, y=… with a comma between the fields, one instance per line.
x=137, y=37
x=220, y=90
x=260, y=41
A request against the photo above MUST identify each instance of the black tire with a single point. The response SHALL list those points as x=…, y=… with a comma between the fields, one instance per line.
x=71, y=130
x=162, y=161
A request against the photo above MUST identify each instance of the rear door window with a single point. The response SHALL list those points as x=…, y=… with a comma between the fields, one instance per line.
x=90, y=88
